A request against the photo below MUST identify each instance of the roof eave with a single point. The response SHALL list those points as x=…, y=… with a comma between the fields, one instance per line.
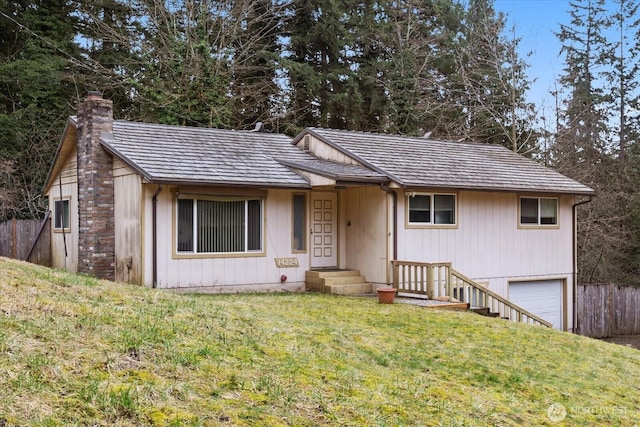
x=106, y=144
x=576, y=192
x=53, y=168
x=210, y=183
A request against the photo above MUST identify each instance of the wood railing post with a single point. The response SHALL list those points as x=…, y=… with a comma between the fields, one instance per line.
x=430, y=289
x=395, y=268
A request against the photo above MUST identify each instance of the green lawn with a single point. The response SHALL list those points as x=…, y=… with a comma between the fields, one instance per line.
x=74, y=350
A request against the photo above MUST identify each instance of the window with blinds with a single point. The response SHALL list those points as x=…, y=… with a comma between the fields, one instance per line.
x=219, y=225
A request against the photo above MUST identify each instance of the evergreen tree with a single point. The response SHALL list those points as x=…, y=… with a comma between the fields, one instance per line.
x=323, y=89
x=186, y=75
x=623, y=61
x=37, y=92
x=256, y=59
x=110, y=31
x=418, y=41
x=583, y=148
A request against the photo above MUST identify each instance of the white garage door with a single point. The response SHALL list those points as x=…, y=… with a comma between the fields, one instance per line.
x=542, y=298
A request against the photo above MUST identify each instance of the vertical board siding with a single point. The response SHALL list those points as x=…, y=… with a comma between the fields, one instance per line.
x=128, y=230
x=220, y=271
x=606, y=310
x=487, y=244
x=69, y=189
x=366, y=236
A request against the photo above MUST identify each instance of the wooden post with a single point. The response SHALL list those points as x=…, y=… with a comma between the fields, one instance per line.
x=396, y=283
x=612, y=314
x=430, y=282
x=14, y=239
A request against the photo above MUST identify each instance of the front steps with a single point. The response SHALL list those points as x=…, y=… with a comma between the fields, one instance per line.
x=339, y=282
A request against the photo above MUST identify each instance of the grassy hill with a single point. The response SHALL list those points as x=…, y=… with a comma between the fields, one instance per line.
x=77, y=351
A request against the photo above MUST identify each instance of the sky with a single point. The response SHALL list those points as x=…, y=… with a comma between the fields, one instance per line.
x=535, y=22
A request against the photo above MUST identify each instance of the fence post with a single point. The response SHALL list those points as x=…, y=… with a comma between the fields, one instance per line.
x=14, y=238
x=612, y=314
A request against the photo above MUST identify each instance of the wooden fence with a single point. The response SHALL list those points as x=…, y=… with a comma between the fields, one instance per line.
x=606, y=310
x=27, y=240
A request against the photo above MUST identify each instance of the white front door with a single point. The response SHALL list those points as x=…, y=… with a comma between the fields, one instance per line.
x=324, y=230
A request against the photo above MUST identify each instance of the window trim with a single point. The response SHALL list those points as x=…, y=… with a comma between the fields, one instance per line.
x=305, y=226
x=431, y=225
x=212, y=197
x=538, y=225
x=64, y=229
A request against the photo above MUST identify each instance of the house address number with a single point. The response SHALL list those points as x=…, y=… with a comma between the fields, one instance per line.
x=286, y=262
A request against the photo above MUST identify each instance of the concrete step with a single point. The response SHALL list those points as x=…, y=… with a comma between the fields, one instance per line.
x=349, y=289
x=347, y=280
x=343, y=282
x=331, y=273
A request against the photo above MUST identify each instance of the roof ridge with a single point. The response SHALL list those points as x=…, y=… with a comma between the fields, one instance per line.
x=202, y=128
x=409, y=137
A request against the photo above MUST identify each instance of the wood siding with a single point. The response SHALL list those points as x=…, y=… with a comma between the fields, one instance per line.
x=69, y=190
x=606, y=310
x=128, y=228
x=325, y=151
x=365, y=216
x=488, y=246
x=257, y=272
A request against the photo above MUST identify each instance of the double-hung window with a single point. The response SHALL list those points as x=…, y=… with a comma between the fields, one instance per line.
x=61, y=214
x=538, y=211
x=219, y=225
x=431, y=209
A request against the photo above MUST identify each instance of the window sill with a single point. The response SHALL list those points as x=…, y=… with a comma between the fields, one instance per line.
x=432, y=226
x=220, y=255
x=538, y=227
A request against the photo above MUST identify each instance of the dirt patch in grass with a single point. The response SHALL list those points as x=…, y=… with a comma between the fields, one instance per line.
x=632, y=341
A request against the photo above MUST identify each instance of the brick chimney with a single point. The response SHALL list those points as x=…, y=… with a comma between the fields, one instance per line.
x=96, y=237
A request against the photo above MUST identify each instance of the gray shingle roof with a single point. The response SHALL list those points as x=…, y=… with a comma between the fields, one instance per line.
x=337, y=171
x=421, y=162
x=179, y=154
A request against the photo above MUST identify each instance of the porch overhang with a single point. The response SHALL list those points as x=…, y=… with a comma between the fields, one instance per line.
x=325, y=173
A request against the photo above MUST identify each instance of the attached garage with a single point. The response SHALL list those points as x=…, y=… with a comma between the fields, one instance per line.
x=544, y=298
